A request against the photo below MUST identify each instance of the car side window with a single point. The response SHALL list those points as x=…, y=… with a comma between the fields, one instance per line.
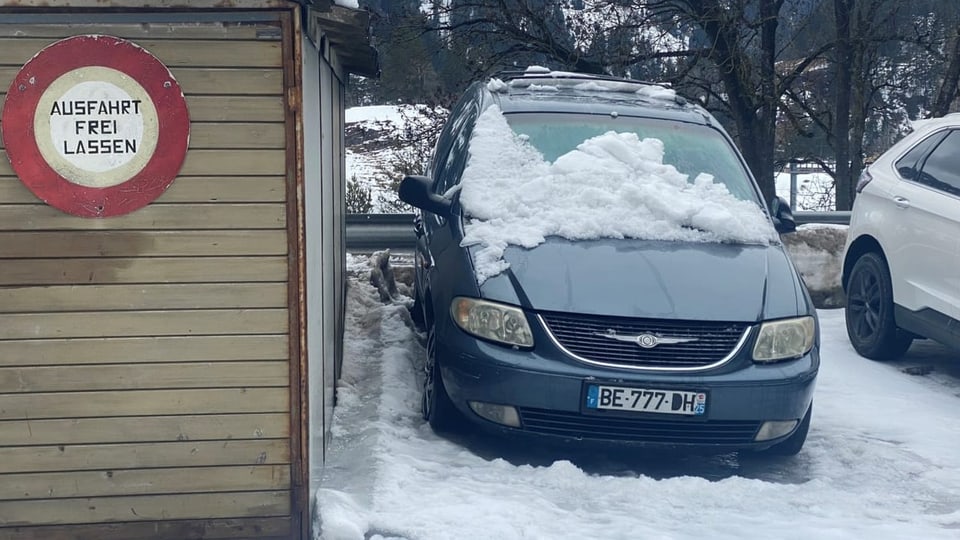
x=449, y=144
x=451, y=171
x=444, y=142
x=457, y=159
x=941, y=169
x=909, y=165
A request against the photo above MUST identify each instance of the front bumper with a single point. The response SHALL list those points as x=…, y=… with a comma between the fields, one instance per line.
x=548, y=390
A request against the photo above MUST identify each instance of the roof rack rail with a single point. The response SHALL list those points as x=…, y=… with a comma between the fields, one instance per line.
x=544, y=73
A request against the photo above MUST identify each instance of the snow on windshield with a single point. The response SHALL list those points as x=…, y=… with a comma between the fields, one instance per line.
x=611, y=186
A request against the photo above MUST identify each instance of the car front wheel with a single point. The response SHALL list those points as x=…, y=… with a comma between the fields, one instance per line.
x=436, y=406
x=871, y=327
x=416, y=311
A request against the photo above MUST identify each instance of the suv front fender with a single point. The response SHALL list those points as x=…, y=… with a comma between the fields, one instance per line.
x=862, y=244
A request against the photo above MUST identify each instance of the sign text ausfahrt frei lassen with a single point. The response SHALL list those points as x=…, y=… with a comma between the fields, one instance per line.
x=92, y=133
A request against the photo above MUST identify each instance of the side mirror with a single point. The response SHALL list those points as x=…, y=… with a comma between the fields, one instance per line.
x=782, y=216
x=415, y=191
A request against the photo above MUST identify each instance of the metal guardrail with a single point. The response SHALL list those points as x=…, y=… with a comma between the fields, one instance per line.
x=836, y=218
x=380, y=231
x=370, y=232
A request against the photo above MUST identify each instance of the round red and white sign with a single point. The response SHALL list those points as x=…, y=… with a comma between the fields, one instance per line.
x=95, y=126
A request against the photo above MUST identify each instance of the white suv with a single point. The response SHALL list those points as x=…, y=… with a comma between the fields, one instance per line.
x=901, y=269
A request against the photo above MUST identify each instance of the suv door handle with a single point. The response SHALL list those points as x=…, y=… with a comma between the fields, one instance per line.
x=418, y=227
x=901, y=202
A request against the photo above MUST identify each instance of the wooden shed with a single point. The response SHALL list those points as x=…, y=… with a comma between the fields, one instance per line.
x=171, y=263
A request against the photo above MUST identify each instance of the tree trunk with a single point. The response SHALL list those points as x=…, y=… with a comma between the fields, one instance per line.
x=859, y=109
x=749, y=82
x=766, y=118
x=861, y=59
x=842, y=93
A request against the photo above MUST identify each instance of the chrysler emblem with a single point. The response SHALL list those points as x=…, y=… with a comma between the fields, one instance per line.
x=645, y=340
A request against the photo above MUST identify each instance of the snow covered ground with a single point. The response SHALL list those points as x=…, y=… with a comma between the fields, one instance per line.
x=881, y=460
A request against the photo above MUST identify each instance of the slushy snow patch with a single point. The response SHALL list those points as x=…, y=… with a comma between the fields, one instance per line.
x=611, y=186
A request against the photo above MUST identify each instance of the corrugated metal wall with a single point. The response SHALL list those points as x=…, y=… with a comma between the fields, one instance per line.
x=145, y=359
x=324, y=191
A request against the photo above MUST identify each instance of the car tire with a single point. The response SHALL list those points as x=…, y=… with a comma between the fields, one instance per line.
x=416, y=312
x=437, y=408
x=794, y=443
x=871, y=327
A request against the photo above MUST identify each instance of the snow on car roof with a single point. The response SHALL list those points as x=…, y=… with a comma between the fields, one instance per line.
x=541, y=78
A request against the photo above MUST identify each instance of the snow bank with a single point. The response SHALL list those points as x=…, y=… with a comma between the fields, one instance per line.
x=817, y=251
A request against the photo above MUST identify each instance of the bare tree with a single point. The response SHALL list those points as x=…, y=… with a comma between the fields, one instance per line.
x=843, y=90
x=947, y=89
x=775, y=71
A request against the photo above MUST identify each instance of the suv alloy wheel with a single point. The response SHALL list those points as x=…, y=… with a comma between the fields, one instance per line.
x=869, y=312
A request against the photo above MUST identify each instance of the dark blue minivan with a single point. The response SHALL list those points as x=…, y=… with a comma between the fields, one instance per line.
x=595, y=263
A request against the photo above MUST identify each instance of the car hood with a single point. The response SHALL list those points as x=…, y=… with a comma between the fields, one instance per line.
x=652, y=279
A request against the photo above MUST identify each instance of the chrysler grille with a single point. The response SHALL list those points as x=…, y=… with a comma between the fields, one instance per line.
x=633, y=429
x=587, y=337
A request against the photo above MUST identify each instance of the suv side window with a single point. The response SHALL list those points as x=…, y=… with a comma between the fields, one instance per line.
x=909, y=165
x=941, y=169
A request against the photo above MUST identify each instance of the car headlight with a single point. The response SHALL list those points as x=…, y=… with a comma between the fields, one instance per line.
x=489, y=320
x=782, y=340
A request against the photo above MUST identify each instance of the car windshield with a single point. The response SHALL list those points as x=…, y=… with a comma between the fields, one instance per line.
x=691, y=148
x=573, y=177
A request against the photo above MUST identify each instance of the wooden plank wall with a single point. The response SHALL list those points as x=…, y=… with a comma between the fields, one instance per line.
x=144, y=359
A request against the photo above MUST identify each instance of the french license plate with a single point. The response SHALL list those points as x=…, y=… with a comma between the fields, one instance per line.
x=620, y=398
